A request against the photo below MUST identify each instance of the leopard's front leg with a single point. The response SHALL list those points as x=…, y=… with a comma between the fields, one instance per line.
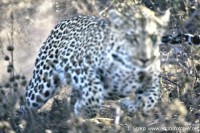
x=146, y=97
x=151, y=95
x=90, y=94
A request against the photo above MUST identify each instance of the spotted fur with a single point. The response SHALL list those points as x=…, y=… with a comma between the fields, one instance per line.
x=101, y=58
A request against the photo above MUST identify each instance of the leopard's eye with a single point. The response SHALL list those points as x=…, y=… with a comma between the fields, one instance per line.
x=153, y=38
x=130, y=37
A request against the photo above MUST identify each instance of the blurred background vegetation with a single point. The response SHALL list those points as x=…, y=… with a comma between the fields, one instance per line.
x=24, y=26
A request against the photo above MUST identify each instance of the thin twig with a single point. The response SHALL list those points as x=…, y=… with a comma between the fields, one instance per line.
x=165, y=78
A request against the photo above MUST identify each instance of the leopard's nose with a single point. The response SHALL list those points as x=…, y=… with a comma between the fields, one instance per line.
x=144, y=61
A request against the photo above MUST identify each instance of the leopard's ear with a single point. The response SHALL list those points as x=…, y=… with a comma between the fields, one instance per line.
x=165, y=18
x=115, y=17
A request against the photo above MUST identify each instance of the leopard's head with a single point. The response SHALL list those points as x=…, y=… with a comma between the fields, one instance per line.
x=139, y=31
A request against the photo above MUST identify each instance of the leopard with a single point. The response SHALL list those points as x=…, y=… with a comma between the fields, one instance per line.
x=101, y=58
